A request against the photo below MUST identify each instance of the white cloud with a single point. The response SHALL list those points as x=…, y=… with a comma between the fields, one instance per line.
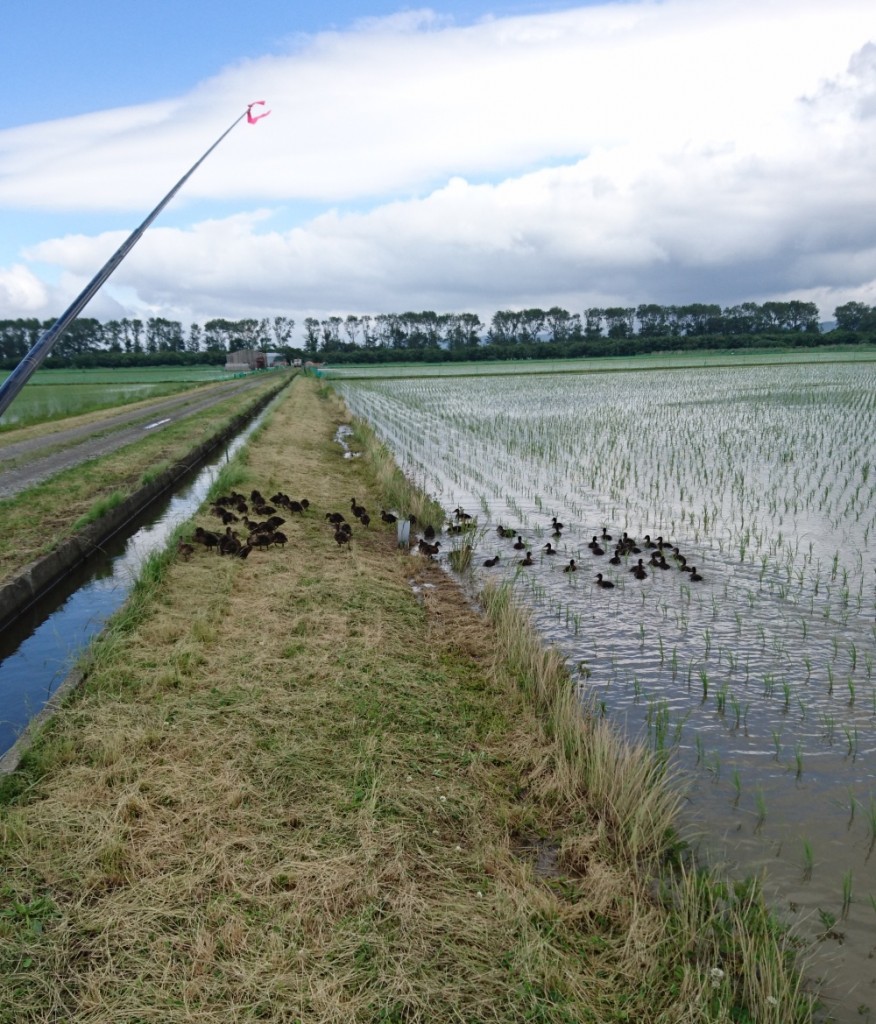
x=673, y=151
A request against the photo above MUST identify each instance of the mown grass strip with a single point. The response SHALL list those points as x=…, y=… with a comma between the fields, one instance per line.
x=312, y=785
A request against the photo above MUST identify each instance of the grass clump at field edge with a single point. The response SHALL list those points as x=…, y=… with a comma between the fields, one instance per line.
x=307, y=785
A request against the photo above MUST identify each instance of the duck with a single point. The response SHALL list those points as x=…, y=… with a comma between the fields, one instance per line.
x=597, y=550
x=605, y=584
x=694, y=575
x=506, y=532
x=519, y=544
x=528, y=560
x=639, y=571
x=357, y=509
x=365, y=520
x=388, y=517
x=342, y=537
x=490, y=562
x=206, y=537
x=605, y=534
x=429, y=549
x=549, y=549
x=648, y=543
x=184, y=550
x=557, y=525
x=429, y=532
x=571, y=567
x=615, y=558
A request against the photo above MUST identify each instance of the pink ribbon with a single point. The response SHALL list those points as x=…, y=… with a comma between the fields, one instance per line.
x=250, y=116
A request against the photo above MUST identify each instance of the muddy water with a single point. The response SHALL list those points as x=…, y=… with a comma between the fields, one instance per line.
x=757, y=682
x=38, y=651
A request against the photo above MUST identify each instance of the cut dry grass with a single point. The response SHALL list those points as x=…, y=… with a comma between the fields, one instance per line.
x=308, y=786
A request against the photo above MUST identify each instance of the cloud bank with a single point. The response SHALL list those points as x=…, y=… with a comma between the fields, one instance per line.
x=618, y=154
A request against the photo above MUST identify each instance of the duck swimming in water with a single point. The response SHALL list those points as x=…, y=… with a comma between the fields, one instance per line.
x=528, y=560
x=639, y=571
x=571, y=567
x=605, y=584
x=519, y=544
x=490, y=562
x=549, y=549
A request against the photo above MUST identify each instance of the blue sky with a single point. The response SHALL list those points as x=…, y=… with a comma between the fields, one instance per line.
x=468, y=155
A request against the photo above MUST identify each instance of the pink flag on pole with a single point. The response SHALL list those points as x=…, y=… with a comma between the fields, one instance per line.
x=250, y=116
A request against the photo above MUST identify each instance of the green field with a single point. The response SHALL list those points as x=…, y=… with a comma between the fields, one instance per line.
x=56, y=394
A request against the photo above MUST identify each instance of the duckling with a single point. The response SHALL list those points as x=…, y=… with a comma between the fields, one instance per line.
x=506, y=532
x=549, y=549
x=648, y=543
x=342, y=537
x=185, y=551
x=605, y=534
x=694, y=575
x=557, y=525
x=519, y=544
x=388, y=517
x=279, y=538
x=335, y=517
x=296, y=506
x=639, y=571
x=490, y=562
x=429, y=549
x=528, y=560
x=571, y=567
x=429, y=532
x=597, y=550
x=605, y=584
x=244, y=551
x=357, y=509
x=365, y=519
x=615, y=558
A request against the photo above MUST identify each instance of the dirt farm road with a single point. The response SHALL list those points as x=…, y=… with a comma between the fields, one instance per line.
x=24, y=464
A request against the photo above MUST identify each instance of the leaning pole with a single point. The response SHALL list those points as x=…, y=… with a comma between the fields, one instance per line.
x=10, y=388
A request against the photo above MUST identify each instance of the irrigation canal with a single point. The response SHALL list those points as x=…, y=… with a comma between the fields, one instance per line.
x=40, y=648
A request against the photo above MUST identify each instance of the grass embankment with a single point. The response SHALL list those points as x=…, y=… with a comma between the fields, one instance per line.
x=314, y=785
x=33, y=522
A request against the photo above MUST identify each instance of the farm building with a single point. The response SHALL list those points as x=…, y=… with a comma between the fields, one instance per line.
x=246, y=359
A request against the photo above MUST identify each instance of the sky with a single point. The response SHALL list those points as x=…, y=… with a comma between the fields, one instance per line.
x=469, y=156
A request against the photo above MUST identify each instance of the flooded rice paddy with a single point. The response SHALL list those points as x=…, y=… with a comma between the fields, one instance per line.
x=756, y=682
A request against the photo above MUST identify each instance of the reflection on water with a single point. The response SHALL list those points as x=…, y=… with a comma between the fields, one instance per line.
x=757, y=681
x=39, y=649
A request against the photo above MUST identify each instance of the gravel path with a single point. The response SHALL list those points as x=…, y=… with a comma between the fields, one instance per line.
x=24, y=464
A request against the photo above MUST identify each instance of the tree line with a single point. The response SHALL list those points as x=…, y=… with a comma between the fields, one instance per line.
x=534, y=332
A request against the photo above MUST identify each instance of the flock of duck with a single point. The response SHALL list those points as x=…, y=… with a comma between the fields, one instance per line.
x=236, y=512
x=662, y=552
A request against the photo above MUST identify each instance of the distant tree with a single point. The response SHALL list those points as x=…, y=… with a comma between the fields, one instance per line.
x=281, y=328
x=619, y=321
x=561, y=324
x=311, y=335
x=854, y=316
x=653, y=320
x=593, y=322
x=195, y=338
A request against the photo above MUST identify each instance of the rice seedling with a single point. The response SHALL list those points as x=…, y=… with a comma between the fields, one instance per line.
x=808, y=861
x=847, y=894
x=761, y=808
